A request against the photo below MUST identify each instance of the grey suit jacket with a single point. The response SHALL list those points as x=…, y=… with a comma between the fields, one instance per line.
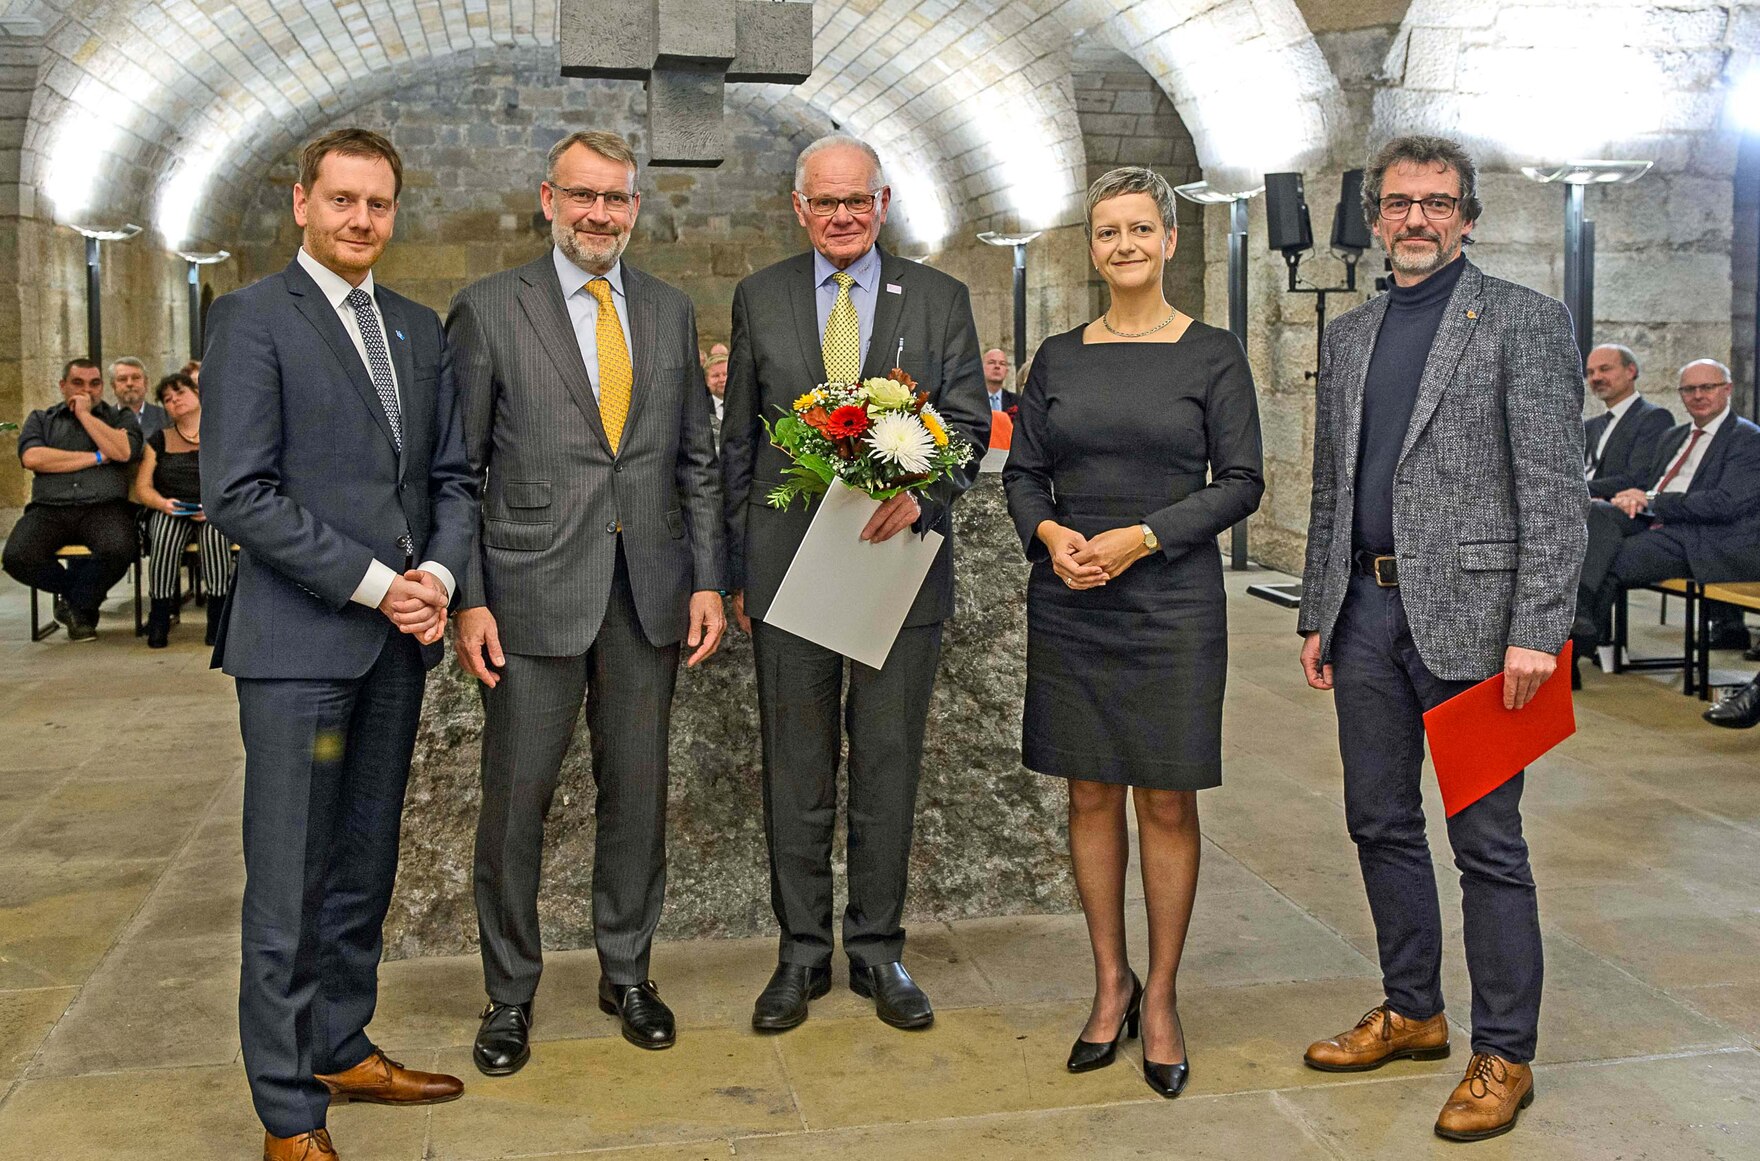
x=776, y=356
x=1488, y=501
x=555, y=500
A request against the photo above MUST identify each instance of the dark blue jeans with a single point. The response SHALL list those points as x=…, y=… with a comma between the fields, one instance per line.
x=1381, y=689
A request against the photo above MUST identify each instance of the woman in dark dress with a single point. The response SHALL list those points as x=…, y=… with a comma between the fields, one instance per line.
x=168, y=484
x=1136, y=445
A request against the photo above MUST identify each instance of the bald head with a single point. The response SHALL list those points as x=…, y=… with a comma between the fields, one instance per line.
x=1611, y=372
x=995, y=369
x=1705, y=389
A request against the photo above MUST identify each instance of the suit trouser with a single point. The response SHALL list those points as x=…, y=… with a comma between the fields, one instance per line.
x=800, y=694
x=1624, y=553
x=529, y=721
x=108, y=529
x=1381, y=689
x=325, y=767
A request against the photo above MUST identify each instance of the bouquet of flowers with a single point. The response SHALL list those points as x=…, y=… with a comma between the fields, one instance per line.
x=879, y=436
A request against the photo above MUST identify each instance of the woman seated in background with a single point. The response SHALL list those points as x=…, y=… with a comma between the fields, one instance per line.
x=1136, y=444
x=168, y=484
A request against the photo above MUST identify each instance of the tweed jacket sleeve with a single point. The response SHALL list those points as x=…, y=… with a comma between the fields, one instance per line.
x=1325, y=492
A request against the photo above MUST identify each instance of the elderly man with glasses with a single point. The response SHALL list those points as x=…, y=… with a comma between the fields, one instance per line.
x=1698, y=514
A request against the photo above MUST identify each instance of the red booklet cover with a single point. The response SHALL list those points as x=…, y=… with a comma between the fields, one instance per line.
x=1477, y=745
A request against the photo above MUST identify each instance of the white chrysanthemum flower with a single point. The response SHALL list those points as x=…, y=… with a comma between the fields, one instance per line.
x=903, y=440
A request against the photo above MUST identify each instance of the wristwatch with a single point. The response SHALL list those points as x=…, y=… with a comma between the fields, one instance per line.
x=1150, y=540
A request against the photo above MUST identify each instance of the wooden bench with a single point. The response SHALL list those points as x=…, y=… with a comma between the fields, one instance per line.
x=1695, y=658
x=71, y=552
x=1744, y=595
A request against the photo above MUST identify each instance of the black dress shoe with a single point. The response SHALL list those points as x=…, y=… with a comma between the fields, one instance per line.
x=897, y=999
x=1169, y=1080
x=1086, y=1055
x=62, y=612
x=1739, y=710
x=783, y=1002
x=504, y=1039
x=644, y=1016
x=1730, y=634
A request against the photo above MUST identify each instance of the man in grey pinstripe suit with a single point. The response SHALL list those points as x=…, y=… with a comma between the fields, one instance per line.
x=600, y=547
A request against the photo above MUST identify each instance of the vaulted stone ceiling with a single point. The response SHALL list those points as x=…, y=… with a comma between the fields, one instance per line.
x=154, y=109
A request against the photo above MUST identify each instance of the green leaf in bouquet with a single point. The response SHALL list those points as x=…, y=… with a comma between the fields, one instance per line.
x=804, y=480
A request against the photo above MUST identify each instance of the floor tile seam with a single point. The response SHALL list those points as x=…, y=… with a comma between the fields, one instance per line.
x=976, y=962
x=1309, y=1129
x=9, y=836
x=1655, y=991
x=794, y=1095
x=128, y=926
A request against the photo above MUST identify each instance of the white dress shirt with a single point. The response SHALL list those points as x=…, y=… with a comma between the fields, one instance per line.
x=583, y=310
x=1683, y=478
x=336, y=289
x=1617, y=412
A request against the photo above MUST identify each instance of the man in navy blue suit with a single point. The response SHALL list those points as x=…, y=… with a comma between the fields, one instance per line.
x=1696, y=513
x=335, y=459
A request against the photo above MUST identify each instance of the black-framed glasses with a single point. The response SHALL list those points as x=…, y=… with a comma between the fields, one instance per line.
x=1702, y=388
x=582, y=198
x=824, y=206
x=1436, y=207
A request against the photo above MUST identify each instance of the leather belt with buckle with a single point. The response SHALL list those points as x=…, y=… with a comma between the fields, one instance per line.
x=1383, y=568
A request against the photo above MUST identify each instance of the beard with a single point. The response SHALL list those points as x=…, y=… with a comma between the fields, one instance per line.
x=1425, y=262
x=592, y=252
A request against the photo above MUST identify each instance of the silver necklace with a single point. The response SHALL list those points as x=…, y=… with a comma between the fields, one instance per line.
x=1106, y=321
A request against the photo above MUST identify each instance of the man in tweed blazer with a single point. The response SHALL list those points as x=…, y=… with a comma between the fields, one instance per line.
x=599, y=548
x=1444, y=545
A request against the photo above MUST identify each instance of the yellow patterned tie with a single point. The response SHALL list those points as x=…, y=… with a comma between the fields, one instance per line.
x=842, y=346
x=616, y=373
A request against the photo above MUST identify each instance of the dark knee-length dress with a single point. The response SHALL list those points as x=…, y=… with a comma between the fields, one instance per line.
x=1125, y=681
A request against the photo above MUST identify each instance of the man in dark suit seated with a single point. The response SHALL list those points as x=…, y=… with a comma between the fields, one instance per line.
x=996, y=377
x=128, y=381
x=335, y=459
x=1697, y=515
x=82, y=452
x=1619, y=443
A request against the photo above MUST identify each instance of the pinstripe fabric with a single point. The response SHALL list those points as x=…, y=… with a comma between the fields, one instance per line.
x=168, y=536
x=551, y=483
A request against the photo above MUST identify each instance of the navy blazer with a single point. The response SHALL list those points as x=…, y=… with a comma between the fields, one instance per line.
x=1717, y=518
x=1629, y=449
x=300, y=469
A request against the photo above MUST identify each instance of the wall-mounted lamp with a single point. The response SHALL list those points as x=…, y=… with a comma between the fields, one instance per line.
x=1201, y=193
x=95, y=237
x=196, y=259
x=1019, y=242
x=1579, y=231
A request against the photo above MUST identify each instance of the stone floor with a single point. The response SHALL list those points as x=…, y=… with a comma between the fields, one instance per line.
x=120, y=874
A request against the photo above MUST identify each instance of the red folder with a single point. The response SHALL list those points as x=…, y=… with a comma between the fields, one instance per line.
x=1477, y=745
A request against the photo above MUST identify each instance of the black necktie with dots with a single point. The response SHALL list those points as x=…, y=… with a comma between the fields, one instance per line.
x=378, y=360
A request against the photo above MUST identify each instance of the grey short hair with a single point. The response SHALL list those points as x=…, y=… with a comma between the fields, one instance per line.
x=1721, y=369
x=1131, y=179
x=127, y=361
x=837, y=141
x=1421, y=149
x=1627, y=359
x=605, y=144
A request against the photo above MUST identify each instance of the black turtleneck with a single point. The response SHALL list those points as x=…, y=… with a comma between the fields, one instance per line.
x=1390, y=391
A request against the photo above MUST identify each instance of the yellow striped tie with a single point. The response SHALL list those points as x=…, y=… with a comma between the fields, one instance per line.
x=842, y=345
x=616, y=373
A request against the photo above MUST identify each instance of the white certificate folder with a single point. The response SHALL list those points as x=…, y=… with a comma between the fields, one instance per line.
x=848, y=594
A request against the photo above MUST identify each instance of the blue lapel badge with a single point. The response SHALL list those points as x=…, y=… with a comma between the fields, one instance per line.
x=399, y=335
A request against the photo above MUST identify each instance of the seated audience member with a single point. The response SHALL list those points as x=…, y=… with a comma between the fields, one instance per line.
x=1739, y=709
x=716, y=374
x=717, y=351
x=80, y=451
x=193, y=369
x=996, y=381
x=168, y=484
x=1619, y=443
x=1698, y=514
x=128, y=382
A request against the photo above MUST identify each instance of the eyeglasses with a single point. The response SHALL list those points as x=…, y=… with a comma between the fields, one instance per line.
x=581, y=198
x=824, y=207
x=1436, y=206
x=1702, y=388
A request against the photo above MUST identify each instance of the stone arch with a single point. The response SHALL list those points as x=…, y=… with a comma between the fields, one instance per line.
x=965, y=96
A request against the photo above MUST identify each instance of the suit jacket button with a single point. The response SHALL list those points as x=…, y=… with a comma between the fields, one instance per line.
x=611, y=527
x=617, y=467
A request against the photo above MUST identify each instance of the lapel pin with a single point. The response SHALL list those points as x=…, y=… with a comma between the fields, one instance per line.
x=1470, y=314
x=400, y=338
x=894, y=288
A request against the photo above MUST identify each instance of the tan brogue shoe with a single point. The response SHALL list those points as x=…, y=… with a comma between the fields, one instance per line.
x=1380, y=1036
x=380, y=1080
x=1487, y=1100
x=312, y=1146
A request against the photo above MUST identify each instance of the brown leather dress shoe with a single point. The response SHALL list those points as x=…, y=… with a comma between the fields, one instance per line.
x=380, y=1080
x=312, y=1146
x=1380, y=1036
x=1487, y=1100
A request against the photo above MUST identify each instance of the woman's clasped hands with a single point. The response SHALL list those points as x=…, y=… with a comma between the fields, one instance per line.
x=1083, y=563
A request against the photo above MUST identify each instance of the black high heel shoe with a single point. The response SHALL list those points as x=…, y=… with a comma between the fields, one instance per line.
x=1087, y=1055
x=1169, y=1080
